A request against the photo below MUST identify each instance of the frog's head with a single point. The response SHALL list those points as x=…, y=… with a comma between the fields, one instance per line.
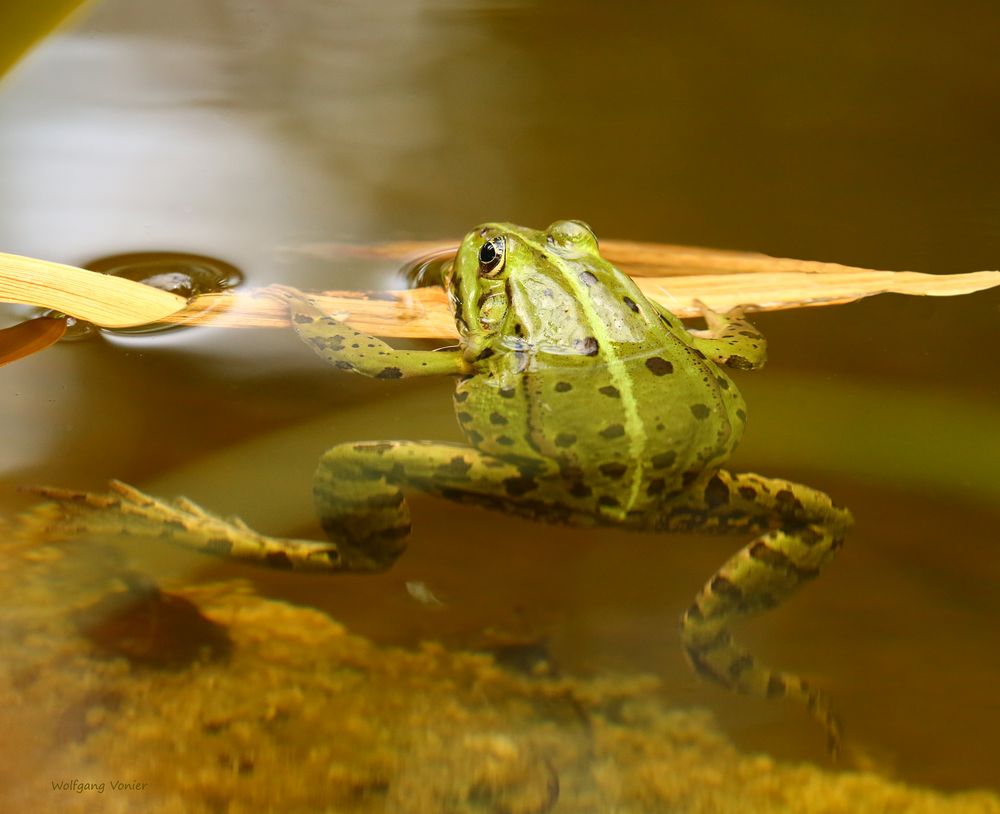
x=509, y=283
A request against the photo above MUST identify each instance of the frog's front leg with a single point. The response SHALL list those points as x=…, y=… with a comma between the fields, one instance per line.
x=802, y=531
x=730, y=340
x=348, y=349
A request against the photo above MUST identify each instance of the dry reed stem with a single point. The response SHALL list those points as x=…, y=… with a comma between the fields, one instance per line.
x=721, y=279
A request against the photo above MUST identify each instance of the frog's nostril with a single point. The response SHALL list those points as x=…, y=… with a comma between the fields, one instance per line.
x=574, y=235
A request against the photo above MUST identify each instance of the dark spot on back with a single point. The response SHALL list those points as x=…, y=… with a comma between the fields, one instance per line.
x=580, y=490
x=615, y=469
x=461, y=396
x=656, y=486
x=464, y=417
x=505, y=441
x=507, y=392
x=658, y=366
x=748, y=492
x=612, y=431
x=700, y=411
x=563, y=387
x=631, y=304
x=565, y=439
x=664, y=459
x=587, y=346
x=609, y=390
x=739, y=362
x=390, y=373
x=302, y=319
x=587, y=278
x=497, y=419
x=608, y=500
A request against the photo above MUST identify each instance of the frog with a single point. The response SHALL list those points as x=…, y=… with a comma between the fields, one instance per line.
x=582, y=402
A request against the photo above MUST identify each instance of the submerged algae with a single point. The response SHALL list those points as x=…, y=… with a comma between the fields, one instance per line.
x=300, y=715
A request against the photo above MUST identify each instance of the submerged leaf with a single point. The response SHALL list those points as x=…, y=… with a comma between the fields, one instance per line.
x=29, y=337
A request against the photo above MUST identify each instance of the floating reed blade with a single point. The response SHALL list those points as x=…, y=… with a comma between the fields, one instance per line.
x=111, y=302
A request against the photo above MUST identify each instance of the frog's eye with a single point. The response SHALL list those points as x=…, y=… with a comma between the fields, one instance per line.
x=491, y=257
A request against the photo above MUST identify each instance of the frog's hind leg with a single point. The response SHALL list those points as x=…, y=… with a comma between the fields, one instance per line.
x=359, y=499
x=358, y=495
x=804, y=529
x=126, y=512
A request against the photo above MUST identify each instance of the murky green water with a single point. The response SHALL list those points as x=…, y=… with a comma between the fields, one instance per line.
x=859, y=133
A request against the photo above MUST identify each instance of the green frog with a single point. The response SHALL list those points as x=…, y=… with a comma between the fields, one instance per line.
x=582, y=402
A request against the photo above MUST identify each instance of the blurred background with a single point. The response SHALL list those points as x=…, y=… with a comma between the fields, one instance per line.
x=858, y=132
